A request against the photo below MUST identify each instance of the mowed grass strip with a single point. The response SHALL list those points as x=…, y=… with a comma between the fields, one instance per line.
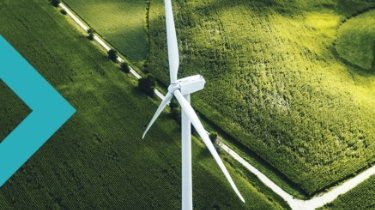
x=120, y=22
x=275, y=83
x=97, y=159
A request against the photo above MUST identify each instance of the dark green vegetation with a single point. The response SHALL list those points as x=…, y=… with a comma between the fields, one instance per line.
x=125, y=67
x=55, y=3
x=12, y=112
x=63, y=12
x=175, y=110
x=356, y=40
x=275, y=82
x=91, y=32
x=147, y=84
x=97, y=160
x=119, y=22
x=112, y=55
x=361, y=197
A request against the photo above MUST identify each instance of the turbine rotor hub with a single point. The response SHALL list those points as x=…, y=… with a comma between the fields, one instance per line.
x=174, y=86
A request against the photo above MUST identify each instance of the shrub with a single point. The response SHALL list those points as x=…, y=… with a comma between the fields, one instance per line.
x=125, y=67
x=215, y=141
x=213, y=137
x=112, y=55
x=63, y=11
x=90, y=31
x=90, y=36
x=147, y=84
x=55, y=3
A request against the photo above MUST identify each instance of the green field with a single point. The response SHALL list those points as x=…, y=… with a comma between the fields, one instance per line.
x=97, y=160
x=356, y=40
x=361, y=197
x=120, y=22
x=12, y=112
x=275, y=82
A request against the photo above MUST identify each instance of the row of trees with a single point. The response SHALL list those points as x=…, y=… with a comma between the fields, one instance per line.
x=56, y=3
x=147, y=85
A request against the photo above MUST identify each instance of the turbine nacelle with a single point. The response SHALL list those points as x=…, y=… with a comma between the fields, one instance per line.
x=188, y=85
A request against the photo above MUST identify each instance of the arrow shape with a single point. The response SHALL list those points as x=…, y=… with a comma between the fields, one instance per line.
x=49, y=111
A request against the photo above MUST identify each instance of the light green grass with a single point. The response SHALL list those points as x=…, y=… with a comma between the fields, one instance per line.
x=274, y=82
x=97, y=159
x=255, y=160
x=120, y=22
x=356, y=40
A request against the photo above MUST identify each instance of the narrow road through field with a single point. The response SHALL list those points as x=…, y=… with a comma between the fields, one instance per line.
x=296, y=204
x=313, y=203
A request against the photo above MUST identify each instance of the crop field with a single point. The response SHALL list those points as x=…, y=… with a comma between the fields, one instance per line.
x=120, y=22
x=275, y=81
x=97, y=160
x=361, y=197
x=356, y=40
x=12, y=112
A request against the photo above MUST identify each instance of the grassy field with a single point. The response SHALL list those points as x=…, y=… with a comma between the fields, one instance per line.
x=356, y=40
x=120, y=22
x=275, y=82
x=361, y=197
x=97, y=160
x=12, y=112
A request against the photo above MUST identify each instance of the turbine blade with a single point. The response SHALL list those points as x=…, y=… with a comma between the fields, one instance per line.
x=158, y=111
x=186, y=107
x=173, y=56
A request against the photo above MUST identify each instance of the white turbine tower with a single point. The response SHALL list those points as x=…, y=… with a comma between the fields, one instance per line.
x=182, y=89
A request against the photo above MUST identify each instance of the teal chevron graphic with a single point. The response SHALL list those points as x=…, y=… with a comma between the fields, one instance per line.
x=49, y=111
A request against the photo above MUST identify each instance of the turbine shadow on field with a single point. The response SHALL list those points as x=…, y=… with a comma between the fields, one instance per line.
x=203, y=153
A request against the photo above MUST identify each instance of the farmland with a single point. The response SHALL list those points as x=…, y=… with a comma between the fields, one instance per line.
x=361, y=197
x=275, y=81
x=120, y=22
x=9, y=112
x=356, y=40
x=97, y=160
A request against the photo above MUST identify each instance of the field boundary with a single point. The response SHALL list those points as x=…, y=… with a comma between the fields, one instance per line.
x=337, y=54
x=297, y=204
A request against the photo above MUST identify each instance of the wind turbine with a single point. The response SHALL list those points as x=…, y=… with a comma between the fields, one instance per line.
x=181, y=89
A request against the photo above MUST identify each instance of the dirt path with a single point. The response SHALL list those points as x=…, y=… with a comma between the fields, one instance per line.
x=315, y=202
